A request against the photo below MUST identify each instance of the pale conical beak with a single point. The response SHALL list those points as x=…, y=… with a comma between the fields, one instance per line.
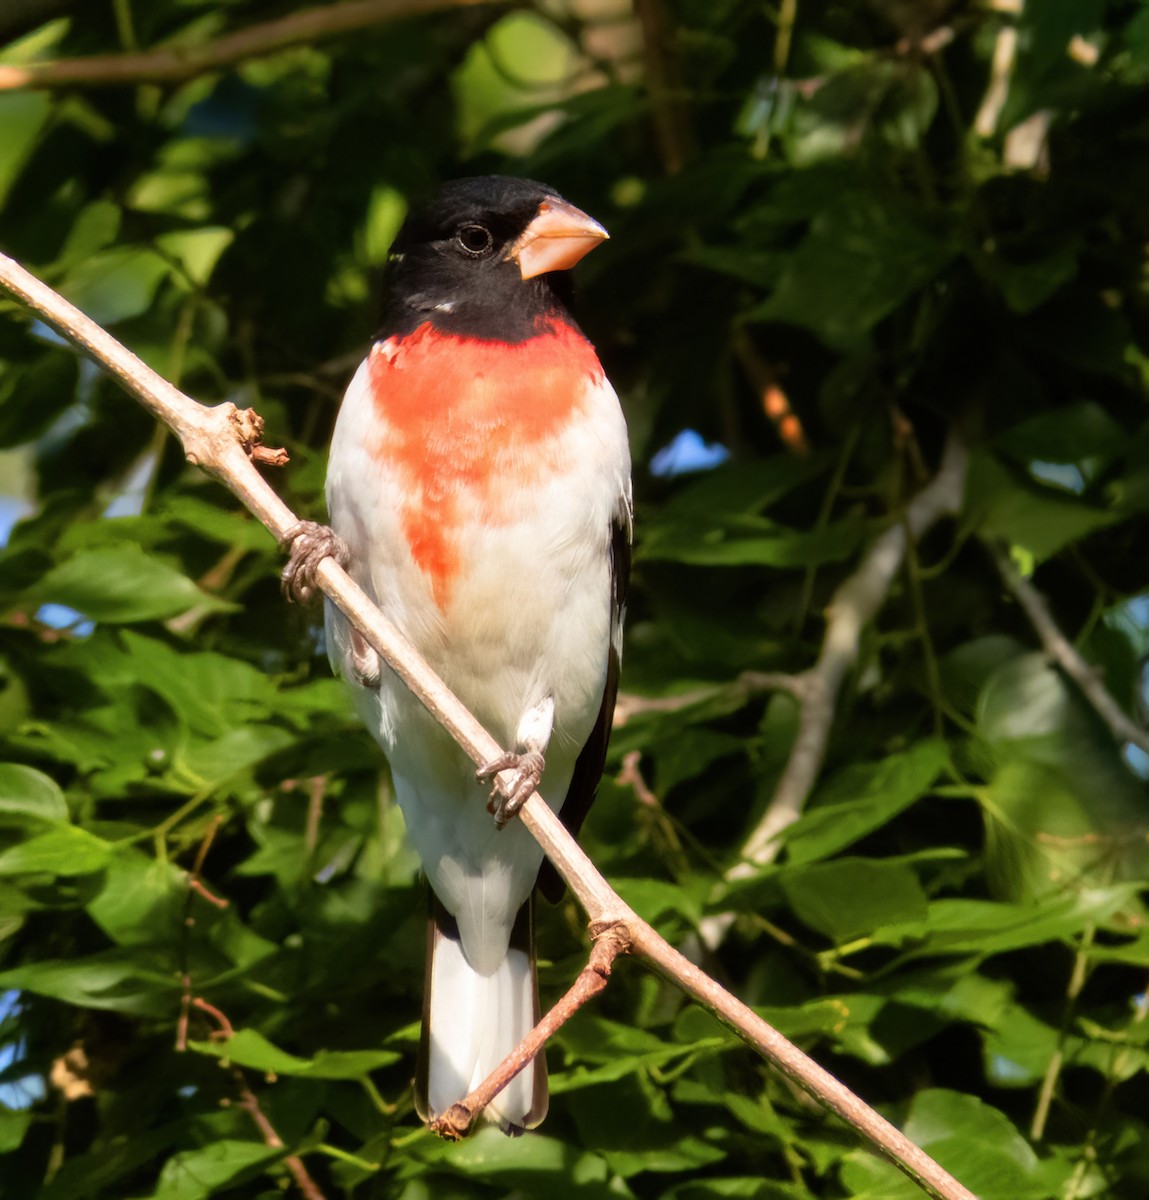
x=557, y=237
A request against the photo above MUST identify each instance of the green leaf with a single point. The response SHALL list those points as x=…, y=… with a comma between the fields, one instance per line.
x=1002, y=505
x=196, y=1174
x=33, y=398
x=116, y=284
x=880, y=792
x=852, y=896
x=113, y=980
x=227, y=526
x=249, y=1048
x=212, y=692
x=744, y=487
x=976, y=1143
x=1069, y=434
x=26, y=792
x=654, y=898
x=864, y=256
x=531, y=1165
x=141, y=901
x=993, y=1158
x=94, y=228
x=747, y=541
x=236, y=752
x=983, y=927
x=1025, y=285
x=22, y=117
x=13, y=1127
x=197, y=250
x=122, y=585
x=66, y=850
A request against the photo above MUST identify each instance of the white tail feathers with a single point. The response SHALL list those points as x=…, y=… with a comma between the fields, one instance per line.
x=471, y=1023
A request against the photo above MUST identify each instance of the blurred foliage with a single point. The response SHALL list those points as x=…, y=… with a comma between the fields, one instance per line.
x=871, y=213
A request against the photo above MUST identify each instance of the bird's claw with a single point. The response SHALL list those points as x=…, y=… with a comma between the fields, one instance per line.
x=310, y=543
x=506, y=800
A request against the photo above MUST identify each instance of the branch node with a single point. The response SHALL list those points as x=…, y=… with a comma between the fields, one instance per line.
x=455, y=1123
x=247, y=426
x=270, y=456
x=611, y=938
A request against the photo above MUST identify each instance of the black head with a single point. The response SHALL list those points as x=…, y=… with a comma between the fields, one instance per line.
x=485, y=257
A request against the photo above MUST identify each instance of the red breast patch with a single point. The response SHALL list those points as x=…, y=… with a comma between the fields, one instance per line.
x=470, y=424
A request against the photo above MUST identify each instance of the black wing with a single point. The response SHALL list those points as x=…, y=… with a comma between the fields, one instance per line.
x=588, y=768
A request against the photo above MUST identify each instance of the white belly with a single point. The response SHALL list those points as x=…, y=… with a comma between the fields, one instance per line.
x=526, y=616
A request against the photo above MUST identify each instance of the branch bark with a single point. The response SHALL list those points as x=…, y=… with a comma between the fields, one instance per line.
x=214, y=439
x=852, y=607
x=1062, y=651
x=177, y=64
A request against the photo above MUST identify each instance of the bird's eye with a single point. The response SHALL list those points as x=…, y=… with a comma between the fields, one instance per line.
x=475, y=239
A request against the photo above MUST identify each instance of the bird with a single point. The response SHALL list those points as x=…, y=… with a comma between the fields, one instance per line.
x=479, y=491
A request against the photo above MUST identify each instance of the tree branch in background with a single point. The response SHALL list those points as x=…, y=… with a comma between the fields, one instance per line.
x=736, y=693
x=1062, y=651
x=852, y=607
x=176, y=64
x=215, y=440
x=1001, y=71
x=671, y=123
x=772, y=398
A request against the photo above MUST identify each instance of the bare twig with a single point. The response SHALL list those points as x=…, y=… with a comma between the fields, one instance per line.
x=211, y=439
x=316, y=790
x=175, y=64
x=1062, y=651
x=772, y=397
x=610, y=940
x=249, y=1102
x=852, y=607
x=736, y=693
x=196, y=887
x=661, y=826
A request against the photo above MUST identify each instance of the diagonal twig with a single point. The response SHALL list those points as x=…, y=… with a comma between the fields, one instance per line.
x=176, y=64
x=214, y=439
x=249, y=1102
x=1063, y=652
x=610, y=940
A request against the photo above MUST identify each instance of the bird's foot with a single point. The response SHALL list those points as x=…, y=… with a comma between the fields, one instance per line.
x=506, y=801
x=310, y=543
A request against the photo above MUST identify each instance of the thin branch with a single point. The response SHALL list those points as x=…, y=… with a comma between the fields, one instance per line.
x=660, y=822
x=1001, y=71
x=249, y=1102
x=852, y=607
x=749, y=684
x=610, y=940
x=772, y=397
x=671, y=123
x=213, y=439
x=176, y=64
x=316, y=790
x=1062, y=651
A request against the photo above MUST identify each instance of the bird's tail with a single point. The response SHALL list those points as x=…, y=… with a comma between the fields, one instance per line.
x=471, y=1022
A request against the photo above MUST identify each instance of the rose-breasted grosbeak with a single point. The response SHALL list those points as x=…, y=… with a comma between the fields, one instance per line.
x=480, y=477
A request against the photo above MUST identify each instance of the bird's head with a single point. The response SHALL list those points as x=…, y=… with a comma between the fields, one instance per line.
x=484, y=258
